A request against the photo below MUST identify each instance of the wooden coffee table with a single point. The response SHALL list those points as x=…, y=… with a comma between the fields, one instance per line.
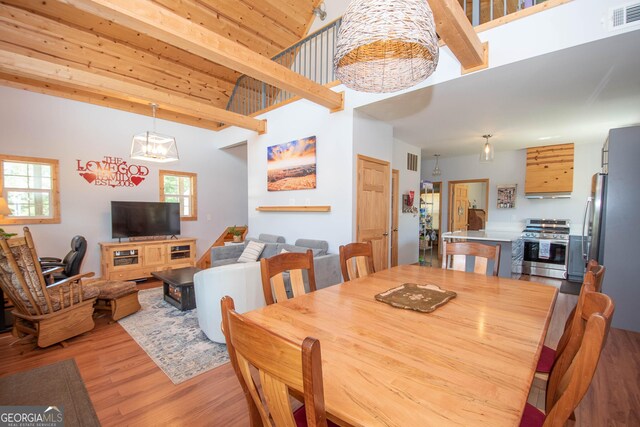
x=178, y=287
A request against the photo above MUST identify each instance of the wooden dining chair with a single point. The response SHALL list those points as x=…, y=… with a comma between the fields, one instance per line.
x=272, y=270
x=282, y=364
x=356, y=260
x=548, y=355
x=573, y=371
x=454, y=256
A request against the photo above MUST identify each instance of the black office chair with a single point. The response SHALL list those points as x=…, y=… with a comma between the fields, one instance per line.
x=70, y=264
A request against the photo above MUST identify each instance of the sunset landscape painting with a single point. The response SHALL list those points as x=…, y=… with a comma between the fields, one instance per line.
x=292, y=165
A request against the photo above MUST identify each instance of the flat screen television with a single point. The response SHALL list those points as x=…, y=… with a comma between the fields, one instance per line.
x=134, y=219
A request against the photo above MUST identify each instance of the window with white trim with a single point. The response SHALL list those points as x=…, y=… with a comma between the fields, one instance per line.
x=30, y=187
x=180, y=187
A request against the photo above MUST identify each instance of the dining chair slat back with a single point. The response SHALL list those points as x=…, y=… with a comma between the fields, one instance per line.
x=456, y=255
x=356, y=260
x=598, y=275
x=272, y=271
x=574, y=369
x=282, y=365
x=598, y=271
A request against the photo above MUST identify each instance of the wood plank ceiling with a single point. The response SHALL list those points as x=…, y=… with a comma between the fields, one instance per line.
x=52, y=47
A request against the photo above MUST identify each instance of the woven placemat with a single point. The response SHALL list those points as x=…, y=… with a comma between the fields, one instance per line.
x=411, y=296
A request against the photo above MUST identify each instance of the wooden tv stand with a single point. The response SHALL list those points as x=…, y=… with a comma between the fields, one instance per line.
x=136, y=260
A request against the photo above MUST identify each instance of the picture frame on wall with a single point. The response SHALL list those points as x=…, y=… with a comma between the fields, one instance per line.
x=292, y=165
x=507, y=196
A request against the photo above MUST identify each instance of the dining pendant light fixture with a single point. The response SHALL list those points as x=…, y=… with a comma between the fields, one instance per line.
x=154, y=147
x=386, y=46
x=436, y=169
x=486, y=155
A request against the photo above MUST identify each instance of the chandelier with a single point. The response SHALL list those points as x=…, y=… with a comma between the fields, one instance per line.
x=154, y=147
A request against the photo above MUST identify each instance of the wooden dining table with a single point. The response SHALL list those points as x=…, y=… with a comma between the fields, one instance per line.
x=469, y=362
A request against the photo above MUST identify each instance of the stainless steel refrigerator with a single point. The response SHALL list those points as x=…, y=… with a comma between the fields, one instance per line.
x=612, y=224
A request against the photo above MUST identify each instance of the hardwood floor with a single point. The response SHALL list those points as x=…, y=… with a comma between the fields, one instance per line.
x=127, y=388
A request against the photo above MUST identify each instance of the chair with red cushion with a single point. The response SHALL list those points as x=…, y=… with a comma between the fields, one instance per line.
x=283, y=366
x=574, y=369
x=549, y=355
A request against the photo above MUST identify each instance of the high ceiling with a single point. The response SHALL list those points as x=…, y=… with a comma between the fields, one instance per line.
x=63, y=35
x=573, y=95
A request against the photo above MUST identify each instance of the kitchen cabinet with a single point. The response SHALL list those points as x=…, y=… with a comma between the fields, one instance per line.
x=577, y=264
x=549, y=169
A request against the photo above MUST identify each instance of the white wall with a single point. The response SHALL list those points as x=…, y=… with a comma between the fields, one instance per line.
x=43, y=126
x=408, y=224
x=371, y=138
x=509, y=168
x=334, y=156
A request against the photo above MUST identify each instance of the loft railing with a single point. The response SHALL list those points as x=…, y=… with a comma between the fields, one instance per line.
x=312, y=56
x=481, y=11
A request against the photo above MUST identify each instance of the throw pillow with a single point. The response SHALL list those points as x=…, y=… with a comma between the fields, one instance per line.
x=251, y=252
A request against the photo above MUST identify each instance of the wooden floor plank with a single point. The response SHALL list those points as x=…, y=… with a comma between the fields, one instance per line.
x=127, y=387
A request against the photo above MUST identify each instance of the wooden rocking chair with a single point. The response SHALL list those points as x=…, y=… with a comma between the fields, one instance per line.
x=51, y=314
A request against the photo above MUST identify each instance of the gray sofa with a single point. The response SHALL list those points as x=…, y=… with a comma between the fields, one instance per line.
x=326, y=265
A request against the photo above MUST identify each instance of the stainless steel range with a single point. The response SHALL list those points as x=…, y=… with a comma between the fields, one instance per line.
x=546, y=244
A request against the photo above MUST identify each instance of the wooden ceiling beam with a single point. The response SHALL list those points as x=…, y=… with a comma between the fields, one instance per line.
x=218, y=23
x=280, y=11
x=93, y=46
x=145, y=45
x=78, y=94
x=456, y=31
x=94, y=41
x=164, y=25
x=233, y=13
x=13, y=63
x=62, y=52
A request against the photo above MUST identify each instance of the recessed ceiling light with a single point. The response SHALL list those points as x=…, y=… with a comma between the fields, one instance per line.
x=544, y=138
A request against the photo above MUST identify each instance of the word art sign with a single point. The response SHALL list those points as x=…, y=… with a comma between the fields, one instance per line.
x=112, y=171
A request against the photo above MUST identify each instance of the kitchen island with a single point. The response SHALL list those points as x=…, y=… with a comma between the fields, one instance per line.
x=510, y=246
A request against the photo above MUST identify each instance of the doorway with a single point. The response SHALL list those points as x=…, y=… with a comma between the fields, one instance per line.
x=430, y=223
x=395, y=183
x=468, y=205
x=372, y=207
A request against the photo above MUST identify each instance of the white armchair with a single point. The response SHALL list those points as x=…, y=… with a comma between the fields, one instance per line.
x=241, y=281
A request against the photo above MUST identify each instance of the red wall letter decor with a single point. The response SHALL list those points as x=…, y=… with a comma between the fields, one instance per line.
x=112, y=171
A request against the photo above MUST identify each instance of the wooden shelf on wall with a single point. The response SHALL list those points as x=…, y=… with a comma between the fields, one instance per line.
x=294, y=208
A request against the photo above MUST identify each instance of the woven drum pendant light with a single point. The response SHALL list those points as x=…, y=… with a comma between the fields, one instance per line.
x=386, y=45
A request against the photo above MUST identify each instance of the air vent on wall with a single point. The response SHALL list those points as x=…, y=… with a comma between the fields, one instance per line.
x=412, y=162
x=624, y=16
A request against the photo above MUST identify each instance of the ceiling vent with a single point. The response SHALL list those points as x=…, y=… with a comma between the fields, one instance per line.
x=625, y=16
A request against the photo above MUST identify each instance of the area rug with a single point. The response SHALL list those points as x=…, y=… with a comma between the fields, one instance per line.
x=172, y=338
x=56, y=388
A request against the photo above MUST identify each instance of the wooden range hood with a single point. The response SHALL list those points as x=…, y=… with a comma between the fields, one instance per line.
x=549, y=173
